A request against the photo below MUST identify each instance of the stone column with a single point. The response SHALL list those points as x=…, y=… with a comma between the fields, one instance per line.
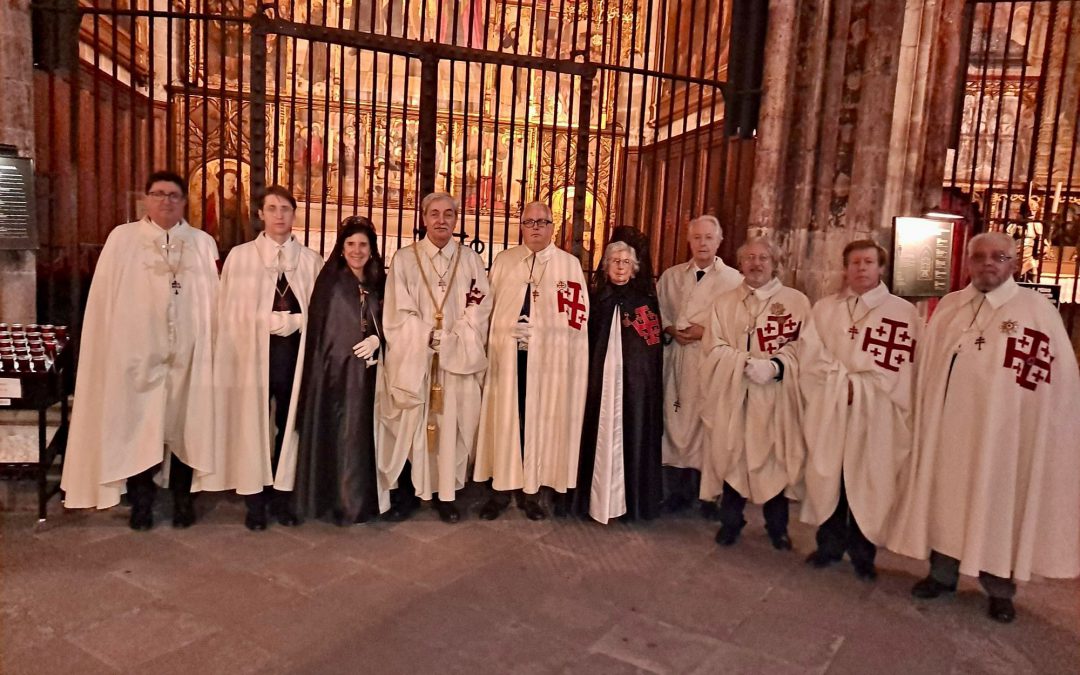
x=18, y=287
x=841, y=145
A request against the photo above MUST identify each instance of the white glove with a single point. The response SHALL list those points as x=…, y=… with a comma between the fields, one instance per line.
x=367, y=347
x=761, y=371
x=284, y=324
x=435, y=340
x=521, y=332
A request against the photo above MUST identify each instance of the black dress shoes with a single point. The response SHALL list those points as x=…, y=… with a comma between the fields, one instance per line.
x=930, y=588
x=448, y=513
x=142, y=518
x=492, y=509
x=780, y=541
x=819, y=559
x=254, y=521
x=534, y=510
x=1002, y=610
x=183, y=511
x=865, y=570
x=727, y=536
x=402, y=510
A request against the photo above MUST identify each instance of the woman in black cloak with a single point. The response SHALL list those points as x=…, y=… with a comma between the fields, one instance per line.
x=619, y=464
x=335, y=465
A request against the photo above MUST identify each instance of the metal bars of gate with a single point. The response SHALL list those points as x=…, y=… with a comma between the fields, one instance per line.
x=180, y=88
x=1016, y=138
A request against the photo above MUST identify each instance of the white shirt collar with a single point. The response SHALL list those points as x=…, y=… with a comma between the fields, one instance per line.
x=431, y=250
x=997, y=297
x=767, y=290
x=268, y=250
x=873, y=297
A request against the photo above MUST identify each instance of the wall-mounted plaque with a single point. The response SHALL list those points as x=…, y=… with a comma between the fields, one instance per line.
x=1051, y=292
x=922, y=257
x=18, y=228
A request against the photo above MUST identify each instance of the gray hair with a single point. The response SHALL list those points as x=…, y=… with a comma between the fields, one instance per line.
x=774, y=252
x=540, y=205
x=711, y=220
x=437, y=196
x=618, y=247
x=999, y=238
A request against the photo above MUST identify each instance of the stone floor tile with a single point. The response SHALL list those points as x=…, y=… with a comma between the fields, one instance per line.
x=219, y=652
x=655, y=646
x=128, y=640
x=788, y=638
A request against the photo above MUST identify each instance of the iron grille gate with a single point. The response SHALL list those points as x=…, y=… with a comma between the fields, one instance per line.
x=1016, y=139
x=612, y=111
x=390, y=199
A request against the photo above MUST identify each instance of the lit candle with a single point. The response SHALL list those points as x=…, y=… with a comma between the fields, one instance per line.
x=1057, y=198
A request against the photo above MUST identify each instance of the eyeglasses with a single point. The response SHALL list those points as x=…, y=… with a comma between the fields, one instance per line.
x=996, y=257
x=756, y=258
x=626, y=262
x=174, y=197
x=531, y=224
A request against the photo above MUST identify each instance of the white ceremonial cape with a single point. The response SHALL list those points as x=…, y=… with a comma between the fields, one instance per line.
x=557, y=374
x=868, y=441
x=994, y=480
x=607, y=494
x=683, y=301
x=244, y=431
x=145, y=378
x=753, y=434
x=404, y=381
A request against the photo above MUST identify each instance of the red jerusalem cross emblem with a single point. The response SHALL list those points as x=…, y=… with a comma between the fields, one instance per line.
x=475, y=296
x=777, y=332
x=890, y=344
x=570, y=302
x=647, y=325
x=1030, y=357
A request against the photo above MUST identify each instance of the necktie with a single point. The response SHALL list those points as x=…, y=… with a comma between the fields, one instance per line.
x=700, y=274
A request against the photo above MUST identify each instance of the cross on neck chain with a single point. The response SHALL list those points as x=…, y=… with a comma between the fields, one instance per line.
x=534, y=285
x=854, y=329
x=753, y=316
x=442, y=283
x=165, y=248
x=980, y=340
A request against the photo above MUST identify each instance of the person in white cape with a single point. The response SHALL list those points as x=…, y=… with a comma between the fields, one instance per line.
x=687, y=292
x=857, y=375
x=144, y=401
x=534, y=393
x=435, y=317
x=752, y=409
x=258, y=361
x=991, y=489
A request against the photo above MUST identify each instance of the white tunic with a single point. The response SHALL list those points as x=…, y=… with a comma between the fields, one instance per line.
x=145, y=382
x=683, y=301
x=754, y=431
x=607, y=494
x=404, y=383
x=557, y=373
x=244, y=433
x=868, y=441
x=994, y=480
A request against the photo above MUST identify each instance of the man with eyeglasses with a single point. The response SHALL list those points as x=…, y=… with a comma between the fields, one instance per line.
x=534, y=392
x=687, y=292
x=258, y=362
x=754, y=447
x=992, y=488
x=144, y=404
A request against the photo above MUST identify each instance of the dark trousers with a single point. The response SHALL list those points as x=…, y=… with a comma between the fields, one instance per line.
x=841, y=533
x=732, y=505
x=946, y=570
x=283, y=356
x=684, y=484
x=501, y=497
x=141, y=488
